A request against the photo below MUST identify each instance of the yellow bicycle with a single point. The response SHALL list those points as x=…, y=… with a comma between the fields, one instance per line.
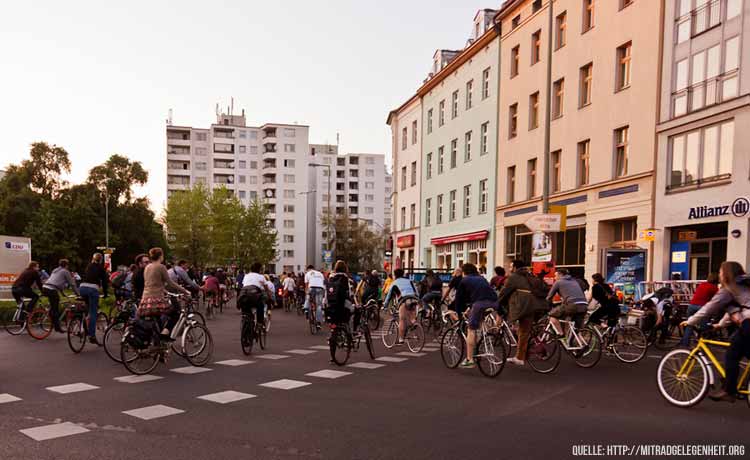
x=684, y=376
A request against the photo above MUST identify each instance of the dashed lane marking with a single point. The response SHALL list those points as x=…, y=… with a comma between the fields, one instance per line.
x=408, y=353
x=285, y=384
x=226, y=397
x=72, y=388
x=320, y=347
x=56, y=430
x=138, y=378
x=234, y=362
x=152, y=412
x=391, y=359
x=329, y=374
x=364, y=365
x=301, y=352
x=8, y=398
x=190, y=370
x=272, y=356
x=431, y=349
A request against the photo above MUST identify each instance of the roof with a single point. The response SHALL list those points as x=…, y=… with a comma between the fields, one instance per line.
x=507, y=6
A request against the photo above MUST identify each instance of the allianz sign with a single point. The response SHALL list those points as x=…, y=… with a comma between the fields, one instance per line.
x=739, y=208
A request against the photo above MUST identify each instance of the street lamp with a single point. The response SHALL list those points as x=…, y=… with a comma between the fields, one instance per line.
x=329, y=243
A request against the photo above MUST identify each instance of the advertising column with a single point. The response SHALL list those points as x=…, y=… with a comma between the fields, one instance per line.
x=15, y=255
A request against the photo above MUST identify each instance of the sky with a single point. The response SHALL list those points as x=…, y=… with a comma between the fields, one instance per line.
x=99, y=78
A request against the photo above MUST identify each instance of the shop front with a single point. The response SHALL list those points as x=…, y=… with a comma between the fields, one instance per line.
x=455, y=250
x=405, y=245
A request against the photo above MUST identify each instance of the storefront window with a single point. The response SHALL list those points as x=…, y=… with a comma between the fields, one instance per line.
x=569, y=249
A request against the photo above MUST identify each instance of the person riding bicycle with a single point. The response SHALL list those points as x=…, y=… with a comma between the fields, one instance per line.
x=156, y=283
x=59, y=280
x=141, y=260
x=733, y=299
x=434, y=289
x=255, y=293
x=475, y=294
x=703, y=294
x=340, y=294
x=315, y=288
x=223, y=281
x=403, y=287
x=371, y=287
x=180, y=276
x=289, y=288
x=94, y=277
x=573, y=304
x=609, y=307
x=22, y=286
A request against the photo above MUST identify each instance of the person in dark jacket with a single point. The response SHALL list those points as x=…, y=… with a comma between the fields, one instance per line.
x=476, y=294
x=450, y=294
x=372, y=287
x=434, y=289
x=498, y=280
x=609, y=307
x=22, y=286
x=141, y=260
x=94, y=277
x=340, y=294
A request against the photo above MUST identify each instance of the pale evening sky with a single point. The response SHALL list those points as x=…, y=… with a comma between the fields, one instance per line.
x=99, y=77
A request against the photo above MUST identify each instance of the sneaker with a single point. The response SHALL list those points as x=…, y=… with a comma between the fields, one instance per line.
x=466, y=364
x=399, y=342
x=516, y=361
x=722, y=396
x=94, y=341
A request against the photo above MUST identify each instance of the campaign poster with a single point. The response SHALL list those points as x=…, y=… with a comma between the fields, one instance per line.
x=627, y=267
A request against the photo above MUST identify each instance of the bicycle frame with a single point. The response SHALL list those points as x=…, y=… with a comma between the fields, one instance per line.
x=702, y=351
x=571, y=333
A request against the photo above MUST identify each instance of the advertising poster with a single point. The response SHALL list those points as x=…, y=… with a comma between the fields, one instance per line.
x=541, y=247
x=15, y=255
x=627, y=267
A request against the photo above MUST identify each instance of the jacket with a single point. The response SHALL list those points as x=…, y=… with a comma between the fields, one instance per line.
x=95, y=276
x=138, y=283
x=339, y=291
x=60, y=279
x=516, y=294
x=473, y=289
x=570, y=291
x=735, y=306
x=27, y=279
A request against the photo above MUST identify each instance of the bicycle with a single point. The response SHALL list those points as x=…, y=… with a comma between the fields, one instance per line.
x=312, y=319
x=684, y=376
x=116, y=329
x=78, y=327
x=37, y=323
x=251, y=331
x=414, y=333
x=627, y=343
x=489, y=352
x=582, y=345
x=341, y=341
x=212, y=304
x=17, y=325
x=432, y=319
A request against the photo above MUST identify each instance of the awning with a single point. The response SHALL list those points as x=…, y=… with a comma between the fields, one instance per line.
x=473, y=236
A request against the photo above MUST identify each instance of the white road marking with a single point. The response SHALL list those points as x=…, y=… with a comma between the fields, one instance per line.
x=191, y=370
x=329, y=374
x=320, y=347
x=431, y=349
x=234, y=362
x=364, y=365
x=285, y=384
x=391, y=359
x=8, y=398
x=138, y=378
x=408, y=353
x=72, y=388
x=56, y=430
x=152, y=412
x=272, y=356
x=655, y=356
x=301, y=352
x=225, y=397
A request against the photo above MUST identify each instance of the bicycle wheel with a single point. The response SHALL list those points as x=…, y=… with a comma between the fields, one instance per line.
x=18, y=323
x=592, y=351
x=65, y=315
x=113, y=339
x=102, y=323
x=368, y=341
x=490, y=356
x=415, y=338
x=138, y=362
x=261, y=336
x=312, y=323
x=76, y=334
x=452, y=348
x=246, y=336
x=39, y=325
x=198, y=344
x=373, y=317
x=543, y=352
x=391, y=334
x=340, y=345
x=682, y=389
x=507, y=342
x=198, y=316
x=629, y=344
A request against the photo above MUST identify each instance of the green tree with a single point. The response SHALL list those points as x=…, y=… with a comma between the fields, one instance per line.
x=257, y=238
x=45, y=165
x=188, y=223
x=355, y=243
x=225, y=215
x=118, y=175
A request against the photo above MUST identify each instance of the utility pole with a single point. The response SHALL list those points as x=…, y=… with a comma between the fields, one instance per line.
x=547, y=112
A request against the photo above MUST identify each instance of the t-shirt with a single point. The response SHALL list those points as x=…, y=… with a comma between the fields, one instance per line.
x=254, y=279
x=315, y=279
x=703, y=293
x=289, y=284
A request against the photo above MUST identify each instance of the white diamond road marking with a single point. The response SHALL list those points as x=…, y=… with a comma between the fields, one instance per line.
x=408, y=353
x=225, y=397
x=56, y=430
x=285, y=384
x=138, y=378
x=430, y=349
x=301, y=352
x=72, y=388
x=329, y=374
x=272, y=356
x=320, y=347
x=8, y=398
x=366, y=365
x=152, y=412
x=391, y=359
x=234, y=362
x=190, y=370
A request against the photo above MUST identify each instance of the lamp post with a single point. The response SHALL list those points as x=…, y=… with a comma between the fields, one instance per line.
x=329, y=243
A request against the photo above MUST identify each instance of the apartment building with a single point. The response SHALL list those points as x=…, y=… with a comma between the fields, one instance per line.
x=702, y=189
x=604, y=91
x=267, y=162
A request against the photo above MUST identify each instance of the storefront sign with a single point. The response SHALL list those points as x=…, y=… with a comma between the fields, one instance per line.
x=474, y=236
x=405, y=241
x=648, y=235
x=545, y=223
x=541, y=247
x=679, y=257
x=625, y=266
x=739, y=208
x=687, y=236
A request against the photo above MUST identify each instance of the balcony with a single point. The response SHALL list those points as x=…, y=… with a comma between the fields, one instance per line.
x=178, y=167
x=268, y=134
x=269, y=193
x=223, y=133
x=224, y=179
x=269, y=148
x=178, y=150
x=224, y=148
x=178, y=135
x=269, y=164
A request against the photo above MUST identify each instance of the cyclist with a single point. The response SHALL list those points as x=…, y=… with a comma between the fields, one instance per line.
x=450, y=294
x=403, y=287
x=289, y=288
x=371, y=289
x=434, y=288
x=315, y=288
x=733, y=299
x=340, y=294
x=574, y=302
x=180, y=276
x=141, y=260
x=476, y=294
x=156, y=283
x=94, y=277
x=252, y=284
x=60, y=279
x=703, y=294
x=210, y=286
x=609, y=307
x=22, y=286
x=498, y=280
x=222, y=277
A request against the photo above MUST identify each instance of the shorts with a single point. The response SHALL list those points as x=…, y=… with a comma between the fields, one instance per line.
x=566, y=309
x=477, y=311
x=411, y=302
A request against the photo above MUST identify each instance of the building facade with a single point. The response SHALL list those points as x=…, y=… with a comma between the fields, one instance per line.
x=702, y=187
x=604, y=91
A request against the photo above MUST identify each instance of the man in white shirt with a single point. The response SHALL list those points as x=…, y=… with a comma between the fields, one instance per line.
x=255, y=279
x=315, y=287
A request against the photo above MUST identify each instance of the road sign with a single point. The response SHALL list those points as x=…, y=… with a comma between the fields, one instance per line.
x=388, y=253
x=648, y=234
x=545, y=223
x=563, y=211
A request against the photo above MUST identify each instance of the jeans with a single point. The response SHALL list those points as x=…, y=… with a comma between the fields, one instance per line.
x=432, y=297
x=739, y=347
x=54, y=305
x=691, y=310
x=319, y=298
x=91, y=295
x=19, y=293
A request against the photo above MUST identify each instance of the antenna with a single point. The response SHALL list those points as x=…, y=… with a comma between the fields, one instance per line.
x=217, y=109
x=169, y=118
x=231, y=106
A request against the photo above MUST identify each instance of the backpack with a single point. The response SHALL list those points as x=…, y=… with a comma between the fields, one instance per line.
x=119, y=280
x=537, y=286
x=585, y=286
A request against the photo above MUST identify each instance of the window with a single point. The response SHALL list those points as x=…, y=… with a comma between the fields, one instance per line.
x=467, y=146
x=413, y=173
x=243, y=194
x=201, y=137
x=289, y=223
x=413, y=215
x=702, y=155
x=369, y=210
x=486, y=83
x=536, y=6
x=224, y=148
x=510, y=194
x=441, y=113
x=403, y=217
x=588, y=15
x=253, y=179
x=427, y=211
x=621, y=151
x=289, y=163
x=288, y=238
x=558, y=94
x=243, y=179
x=536, y=46
x=289, y=148
x=200, y=165
x=531, y=186
x=414, y=132
x=515, y=22
x=201, y=151
x=288, y=193
x=403, y=178
x=429, y=166
x=253, y=149
x=288, y=208
x=288, y=178
x=369, y=173
x=731, y=64
x=253, y=165
x=623, y=66
x=467, y=200
x=289, y=132
x=555, y=170
x=429, y=121
x=734, y=8
x=513, y=121
x=243, y=149
x=439, y=217
x=452, y=206
x=707, y=14
x=469, y=93
x=534, y=111
x=288, y=252
x=243, y=134
x=454, y=104
x=570, y=248
x=454, y=148
x=583, y=161
x=587, y=74
x=441, y=160
x=561, y=29
x=483, y=149
x=404, y=136
x=483, y=195
x=253, y=195
x=514, y=60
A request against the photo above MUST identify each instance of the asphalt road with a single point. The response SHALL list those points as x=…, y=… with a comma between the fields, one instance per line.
x=414, y=409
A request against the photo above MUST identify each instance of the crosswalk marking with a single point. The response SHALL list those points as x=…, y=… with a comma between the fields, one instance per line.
x=391, y=359
x=234, y=362
x=272, y=356
x=285, y=384
x=301, y=352
x=430, y=348
x=226, y=397
x=190, y=370
x=152, y=412
x=8, y=398
x=72, y=388
x=364, y=365
x=56, y=430
x=138, y=378
x=408, y=353
x=329, y=374
x=320, y=347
